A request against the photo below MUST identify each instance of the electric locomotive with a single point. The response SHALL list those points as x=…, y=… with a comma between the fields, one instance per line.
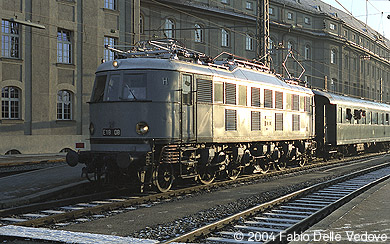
x=165, y=112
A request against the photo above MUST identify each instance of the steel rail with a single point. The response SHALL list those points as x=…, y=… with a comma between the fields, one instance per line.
x=55, y=218
x=207, y=229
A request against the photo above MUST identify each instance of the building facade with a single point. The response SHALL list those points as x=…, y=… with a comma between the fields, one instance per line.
x=46, y=75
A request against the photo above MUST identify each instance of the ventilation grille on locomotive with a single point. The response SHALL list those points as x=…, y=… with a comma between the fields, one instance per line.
x=230, y=91
x=279, y=100
x=255, y=120
x=268, y=103
x=204, y=91
x=255, y=97
x=296, y=122
x=278, y=121
x=230, y=119
x=295, y=102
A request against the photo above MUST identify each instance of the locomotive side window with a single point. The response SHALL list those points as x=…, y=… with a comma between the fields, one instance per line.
x=230, y=93
x=230, y=119
x=218, y=92
x=113, y=88
x=278, y=100
x=187, y=89
x=242, y=95
x=288, y=101
x=98, y=92
x=255, y=92
x=296, y=122
x=134, y=87
x=268, y=101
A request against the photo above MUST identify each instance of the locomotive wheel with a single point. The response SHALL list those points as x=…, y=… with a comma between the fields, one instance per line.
x=206, y=175
x=233, y=172
x=281, y=165
x=163, y=177
x=262, y=168
x=302, y=162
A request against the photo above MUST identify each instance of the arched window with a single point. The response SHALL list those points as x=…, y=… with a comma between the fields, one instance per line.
x=225, y=38
x=10, y=102
x=307, y=52
x=333, y=56
x=198, y=33
x=64, y=105
x=169, y=28
x=248, y=42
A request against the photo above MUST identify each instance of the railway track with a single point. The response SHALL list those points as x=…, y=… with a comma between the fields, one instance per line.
x=79, y=209
x=276, y=221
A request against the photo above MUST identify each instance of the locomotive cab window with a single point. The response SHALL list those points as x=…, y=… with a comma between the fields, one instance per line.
x=187, y=89
x=98, y=91
x=134, y=87
x=113, y=87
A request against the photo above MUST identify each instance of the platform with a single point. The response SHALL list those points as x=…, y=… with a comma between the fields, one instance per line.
x=365, y=219
x=35, y=185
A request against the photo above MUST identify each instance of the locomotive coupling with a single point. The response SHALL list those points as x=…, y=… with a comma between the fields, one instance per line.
x=72, y=158
x=124, y=159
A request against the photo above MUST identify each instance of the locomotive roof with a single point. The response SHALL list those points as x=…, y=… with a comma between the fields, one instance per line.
x=354, y=102
x=183, y=66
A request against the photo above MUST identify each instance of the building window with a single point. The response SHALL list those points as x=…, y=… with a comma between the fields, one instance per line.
x=346, y=62
x=10, y=39
x=225, y=38
x=198, y=33
x=271, y=11
x=307, y=52
x=10, y=102
x=249, y=5
x=169, y=30
x=110, y=4
x=271, y=45
x=345, y=33
x=333, y=56
x=290, y=45
x=64, y=105
x=289, y=15
x=307, y=20
x=332, y=26
x=248, y=42
x=111, y=41
x=64, y=47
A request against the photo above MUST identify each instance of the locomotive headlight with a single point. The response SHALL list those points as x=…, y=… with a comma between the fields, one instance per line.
x=91, y=129
x=142, y=128
x=115, y=63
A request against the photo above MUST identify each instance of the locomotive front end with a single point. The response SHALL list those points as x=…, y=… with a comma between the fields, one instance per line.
x=132, y=109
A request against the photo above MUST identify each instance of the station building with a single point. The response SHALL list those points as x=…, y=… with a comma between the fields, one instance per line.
x=46, y=75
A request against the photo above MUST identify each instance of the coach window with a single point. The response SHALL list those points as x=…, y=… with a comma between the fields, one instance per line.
x=134, y=87
x=369, y=118
x=340, y=115
x=387, y=119
x=187, y=89
x=218, y=92
x=375, y=118
x=364, y=117
x=349, y=115
x=242, y=95
x=381, y=119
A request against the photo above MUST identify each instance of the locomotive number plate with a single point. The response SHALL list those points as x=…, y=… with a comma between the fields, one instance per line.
x=111, y=132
